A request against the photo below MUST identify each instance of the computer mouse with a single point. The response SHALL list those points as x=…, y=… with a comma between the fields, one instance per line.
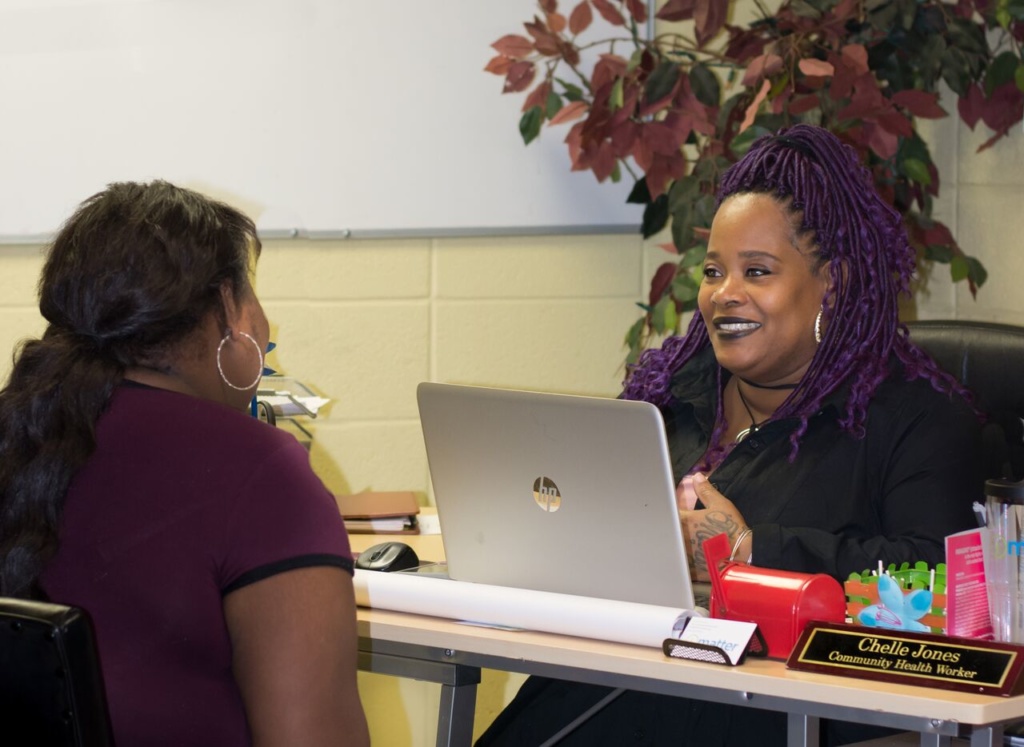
x=387, y=556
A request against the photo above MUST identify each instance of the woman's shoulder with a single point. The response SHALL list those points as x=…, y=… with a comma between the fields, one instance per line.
x=175, y=418
x=901, y=398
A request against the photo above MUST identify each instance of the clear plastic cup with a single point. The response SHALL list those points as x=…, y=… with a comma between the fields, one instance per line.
x=1003, y=550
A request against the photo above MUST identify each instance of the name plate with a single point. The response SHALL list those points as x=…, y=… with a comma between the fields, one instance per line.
x=946, y=662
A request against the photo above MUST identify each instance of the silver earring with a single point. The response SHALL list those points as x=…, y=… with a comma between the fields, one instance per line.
x=259, y=371
x=817, y=327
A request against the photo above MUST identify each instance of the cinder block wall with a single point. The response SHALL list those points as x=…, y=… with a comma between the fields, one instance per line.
x=364, y=322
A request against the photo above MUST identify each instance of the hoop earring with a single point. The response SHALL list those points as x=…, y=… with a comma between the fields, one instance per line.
x=817, y=327
x=259, y=371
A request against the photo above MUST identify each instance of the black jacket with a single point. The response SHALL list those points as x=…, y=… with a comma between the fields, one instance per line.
x=843, y=503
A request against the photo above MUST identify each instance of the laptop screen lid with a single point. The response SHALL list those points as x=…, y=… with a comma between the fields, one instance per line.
x=555, y=492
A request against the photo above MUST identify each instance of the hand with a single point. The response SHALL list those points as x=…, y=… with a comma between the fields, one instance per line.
x=718, y=515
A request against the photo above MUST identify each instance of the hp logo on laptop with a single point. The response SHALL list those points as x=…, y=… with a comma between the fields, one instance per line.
x=546, y=494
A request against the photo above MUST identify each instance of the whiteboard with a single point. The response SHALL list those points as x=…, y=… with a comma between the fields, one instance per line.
x=317, y=117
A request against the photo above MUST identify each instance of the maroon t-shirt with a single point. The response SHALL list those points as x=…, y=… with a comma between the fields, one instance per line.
x=182, y=502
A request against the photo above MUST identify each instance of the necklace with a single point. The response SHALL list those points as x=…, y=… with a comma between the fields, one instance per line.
x=754, y=426
x=767, y=386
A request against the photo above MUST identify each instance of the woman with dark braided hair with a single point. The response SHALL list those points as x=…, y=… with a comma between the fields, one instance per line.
x=801, y=419
x=134, y=484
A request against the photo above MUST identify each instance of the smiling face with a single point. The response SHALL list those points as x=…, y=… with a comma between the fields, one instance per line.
x=761, y=291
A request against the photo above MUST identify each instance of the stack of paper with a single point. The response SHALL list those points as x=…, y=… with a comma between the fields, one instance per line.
x=380, y=513
x=289, y=397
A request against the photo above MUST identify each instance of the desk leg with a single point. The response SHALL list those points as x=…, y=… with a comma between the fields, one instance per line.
x=802, y=730
x=987, y=736
x=935, y=740
x=455, y=715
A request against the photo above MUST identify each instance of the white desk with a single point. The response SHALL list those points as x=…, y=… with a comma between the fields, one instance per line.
x=452, y=654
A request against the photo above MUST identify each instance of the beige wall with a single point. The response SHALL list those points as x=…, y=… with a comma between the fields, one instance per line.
x=362, y=322
x=981, y=201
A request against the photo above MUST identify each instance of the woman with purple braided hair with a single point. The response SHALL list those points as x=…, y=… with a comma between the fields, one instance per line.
x=819, y=390
x=801, y=420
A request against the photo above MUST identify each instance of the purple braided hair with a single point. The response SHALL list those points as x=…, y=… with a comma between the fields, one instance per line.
x=826, y=190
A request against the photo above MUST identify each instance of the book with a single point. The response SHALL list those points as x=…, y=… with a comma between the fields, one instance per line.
x=371, y=512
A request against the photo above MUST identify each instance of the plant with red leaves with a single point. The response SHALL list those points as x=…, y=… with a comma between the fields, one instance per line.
x=674, y=111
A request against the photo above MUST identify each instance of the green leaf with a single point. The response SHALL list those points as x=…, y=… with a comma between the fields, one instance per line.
x=1018, y=76
x=682, y=224
x=553, y=105
x=978, y=272
x=742, y=142
x=704, y=211
x=928, y=60
x=664, y=316
x=693, y=256
x=938, y=253
x=639, y=195
x=917, y=170
x=959, y=268
x=1015, y=8
x=661, y=81
x=703, y=170
x=968, y=36
x=705, y=85
x=956, y=71
x=1002, y=70
x=529, y=124
x=655, y=217
x=615, y=98
x=881, y=14
x=635, y=59
x=907, y=11
x=571, y=92
x=685, y=290
x=914, y=147
x=683, y=192
x=635, y=334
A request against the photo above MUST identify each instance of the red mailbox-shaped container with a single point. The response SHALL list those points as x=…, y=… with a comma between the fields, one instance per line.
x=780, y=602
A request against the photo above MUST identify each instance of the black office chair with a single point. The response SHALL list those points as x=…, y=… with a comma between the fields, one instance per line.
x=987, y=358
x=51, y=684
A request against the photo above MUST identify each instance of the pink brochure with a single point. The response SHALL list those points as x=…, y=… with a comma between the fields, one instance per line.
x=966, y=595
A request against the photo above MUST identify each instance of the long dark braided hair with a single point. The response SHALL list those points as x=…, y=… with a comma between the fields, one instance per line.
x=131, y=274
x=830, y=196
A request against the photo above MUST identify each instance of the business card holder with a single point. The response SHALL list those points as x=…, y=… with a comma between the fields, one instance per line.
x=694, y=651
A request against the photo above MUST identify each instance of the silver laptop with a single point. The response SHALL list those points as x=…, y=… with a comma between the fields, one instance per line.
x=555, y=493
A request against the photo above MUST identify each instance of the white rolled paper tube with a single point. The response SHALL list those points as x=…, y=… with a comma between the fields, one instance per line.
x=544, y=611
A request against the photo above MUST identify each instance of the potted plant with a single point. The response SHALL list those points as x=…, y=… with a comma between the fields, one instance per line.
x=672, y=111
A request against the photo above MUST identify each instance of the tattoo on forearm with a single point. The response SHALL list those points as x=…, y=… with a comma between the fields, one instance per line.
x=713, y=523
